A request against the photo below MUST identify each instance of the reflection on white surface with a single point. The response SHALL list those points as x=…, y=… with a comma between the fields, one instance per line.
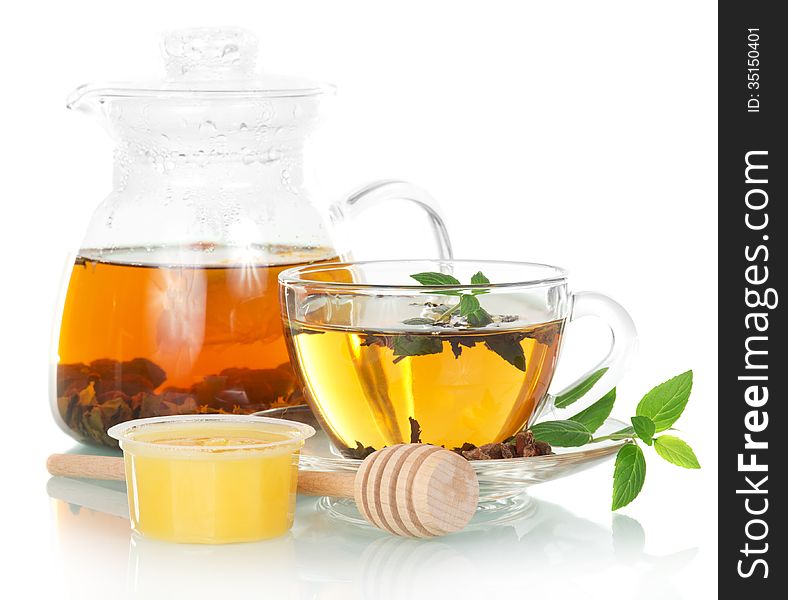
x=163, y=570
x=551, y=552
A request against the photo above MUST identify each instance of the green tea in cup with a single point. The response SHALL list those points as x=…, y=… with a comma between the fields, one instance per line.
x=385, y=359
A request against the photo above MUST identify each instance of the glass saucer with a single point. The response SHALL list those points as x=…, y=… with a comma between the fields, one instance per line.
x=502, y=483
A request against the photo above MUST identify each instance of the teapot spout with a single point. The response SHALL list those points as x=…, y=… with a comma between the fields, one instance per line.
x=77, y=100
x=87, y=97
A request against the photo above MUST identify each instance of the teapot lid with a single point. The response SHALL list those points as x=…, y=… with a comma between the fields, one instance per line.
x=207, y=61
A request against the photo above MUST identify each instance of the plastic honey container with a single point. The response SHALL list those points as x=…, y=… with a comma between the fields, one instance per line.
x=211, y=479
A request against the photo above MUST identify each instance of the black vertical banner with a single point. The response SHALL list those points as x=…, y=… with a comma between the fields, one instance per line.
x=753, y=225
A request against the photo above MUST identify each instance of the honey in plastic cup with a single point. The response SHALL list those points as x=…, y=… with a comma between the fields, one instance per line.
x=211, y=479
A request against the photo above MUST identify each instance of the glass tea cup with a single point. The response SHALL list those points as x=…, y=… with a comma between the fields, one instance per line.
x=467, y=355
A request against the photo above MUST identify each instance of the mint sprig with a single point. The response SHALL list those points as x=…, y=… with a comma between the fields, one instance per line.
x=656, y=412
x=468, y=305
x=471, y=309
x=505, y=345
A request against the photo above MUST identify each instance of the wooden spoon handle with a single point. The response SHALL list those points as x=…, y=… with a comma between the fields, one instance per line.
x=81, y=466
x=320, y=483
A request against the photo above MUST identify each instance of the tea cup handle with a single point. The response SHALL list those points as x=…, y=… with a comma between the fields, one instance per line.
x=343, y=212
x=615, y=364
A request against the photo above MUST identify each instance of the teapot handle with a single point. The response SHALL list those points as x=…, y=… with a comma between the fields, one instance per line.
x=344, y=211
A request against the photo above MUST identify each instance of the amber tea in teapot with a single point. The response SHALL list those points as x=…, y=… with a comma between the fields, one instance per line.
x=172, y=304
x=142, y=339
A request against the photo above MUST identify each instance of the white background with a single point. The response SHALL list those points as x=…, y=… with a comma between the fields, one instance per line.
x=579, y=133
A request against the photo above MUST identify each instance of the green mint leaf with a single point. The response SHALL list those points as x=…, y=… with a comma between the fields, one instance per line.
x=577, y=392
x=665, y=403
x=480, y=318
x=621, y=434
x=644, y=428
x=419, y=321
x=472, y=310
x=508, y=347
x=565, y=434
x=479, y=279
x=676, y=451
x=628, y=475
x=459, y=342
x=435, y=279
x=371, y=339
x=595, y=415
x=468, y=304
x=416, y=345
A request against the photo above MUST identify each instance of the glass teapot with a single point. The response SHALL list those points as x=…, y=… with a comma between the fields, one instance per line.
x=172, y=305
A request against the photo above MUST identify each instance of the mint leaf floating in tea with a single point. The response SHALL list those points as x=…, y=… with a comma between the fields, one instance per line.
x=415, y=345
x=479, y=278
x=676, y=451
x=418, y=321
x=506, y=344
x=471, y=309
x=644, y=428
x=372, y=339
x=438, y=279
x=435, y=279
x=457, y=343
x=629, y=475
x=580, y=390
x=508, y=347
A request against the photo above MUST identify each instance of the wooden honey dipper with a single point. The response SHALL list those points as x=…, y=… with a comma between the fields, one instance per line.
x=414, y=490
